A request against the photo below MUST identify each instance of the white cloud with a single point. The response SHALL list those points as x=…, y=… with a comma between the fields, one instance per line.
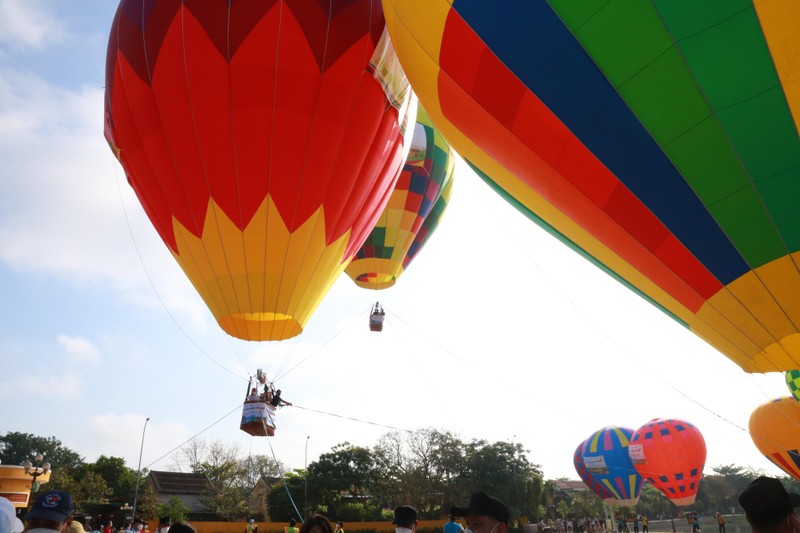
x=79, y=349
x=64, y=386
x=28, y=23
x=65, y=206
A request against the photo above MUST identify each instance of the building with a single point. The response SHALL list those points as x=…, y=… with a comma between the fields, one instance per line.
x=257, y=503
x=189, y=488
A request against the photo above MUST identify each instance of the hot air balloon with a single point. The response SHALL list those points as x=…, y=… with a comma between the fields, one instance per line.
x=775, y=430
x=605, y=454
x=263, y=140
x=793, y=382
x=426, y=174
x=590, y=481
x=658, y=139
x=670, y=455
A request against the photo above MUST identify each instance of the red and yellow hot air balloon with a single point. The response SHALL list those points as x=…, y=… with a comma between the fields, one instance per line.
x=670, y=455
x=263, y=140
x=775, y=430
x=426, y=177
x=658, y=139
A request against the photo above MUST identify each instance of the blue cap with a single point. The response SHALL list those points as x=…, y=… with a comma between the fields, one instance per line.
x=55, y=505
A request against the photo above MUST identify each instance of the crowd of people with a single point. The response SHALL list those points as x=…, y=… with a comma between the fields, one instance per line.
x=768, y=507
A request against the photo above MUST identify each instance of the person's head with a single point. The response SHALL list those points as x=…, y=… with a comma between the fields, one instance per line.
x=768, y=507
x=252, y=520
x=316, y=523
x=138, y=525
x=292, y=522
x=9, y=523
x=181, y=527
x=405, y=517
x=52, y=510
x=163, y=524
x=485, y=514
x=452, y=518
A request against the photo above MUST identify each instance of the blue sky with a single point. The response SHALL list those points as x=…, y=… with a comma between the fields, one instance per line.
x=496, y=331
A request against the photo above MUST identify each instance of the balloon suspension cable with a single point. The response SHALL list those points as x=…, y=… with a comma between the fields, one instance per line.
x=280, y=471
x=153, y=285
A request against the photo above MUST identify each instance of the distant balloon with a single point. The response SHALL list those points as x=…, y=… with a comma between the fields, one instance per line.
x=630, y=131
x=427, y=174
x=263, y=140
x=670, y=455
x=594, y=484
x=775, y=430
x=605, y=454
x=793, y=382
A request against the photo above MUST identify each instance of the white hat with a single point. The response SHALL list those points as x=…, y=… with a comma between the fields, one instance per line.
x=9, y=523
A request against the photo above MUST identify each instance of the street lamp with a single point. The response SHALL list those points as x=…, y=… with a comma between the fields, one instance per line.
x=305, y=480
x=36, y=471
x=139, y=470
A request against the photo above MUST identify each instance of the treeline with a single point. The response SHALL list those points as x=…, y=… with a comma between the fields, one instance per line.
x=429, y=469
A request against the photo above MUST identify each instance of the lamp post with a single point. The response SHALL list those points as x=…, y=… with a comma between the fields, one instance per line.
x=36, y=471
x=139, y=470
x=305, y=480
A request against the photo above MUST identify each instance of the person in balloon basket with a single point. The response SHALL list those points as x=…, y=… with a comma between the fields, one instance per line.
x=277, y=401
x=52, y=511
x=484, y=514
x=768, y=508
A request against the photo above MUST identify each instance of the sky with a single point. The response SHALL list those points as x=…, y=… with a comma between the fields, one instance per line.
x=496, y=331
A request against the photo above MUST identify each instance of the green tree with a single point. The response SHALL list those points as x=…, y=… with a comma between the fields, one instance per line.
x=119, y=477
x=16, y=448
x=174, y=508
x=148, y=504
x=345, y=473
x=586, y=503
x=279, y=507
x=88, y=487
x=653, y=503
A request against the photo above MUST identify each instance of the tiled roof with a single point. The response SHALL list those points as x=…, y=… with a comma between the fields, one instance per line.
x=180, y=483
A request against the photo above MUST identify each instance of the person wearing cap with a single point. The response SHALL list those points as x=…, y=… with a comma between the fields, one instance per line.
x=405, y=519
x=452, y=526
x=484, y=514
x=52, y=511
x=768, y=508
x=9, y=523
x=163, y=524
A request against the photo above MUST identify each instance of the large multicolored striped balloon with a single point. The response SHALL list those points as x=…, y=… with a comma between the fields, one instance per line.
x=605, y=454
x=670, y=455
x=426, y=175
x=586, y=476
x=658, y=139
x=263, y=140
x=793, y=382
x=775, y=430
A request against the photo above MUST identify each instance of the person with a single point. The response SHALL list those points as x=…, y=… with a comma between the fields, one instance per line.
x=76, y=526
x=252, y=527
x=292, y=524
x=768, y=508
x=163, y=524
x=695, y=522
x=644, y=524
x=339, y=525
x=277, y=401
x=181, y=527
x=452, y=526
x=316, y=523
x=253, y=397
x=109, y=527
x=9, y=523
x=405, y=519
x=484, y=514
x=635, y=524
x=720, y=522
x=52, y=511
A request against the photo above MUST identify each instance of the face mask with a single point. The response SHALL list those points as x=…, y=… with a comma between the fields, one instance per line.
x=468, y=530
x=139, y=527
x=402, y=530
x=163, y=529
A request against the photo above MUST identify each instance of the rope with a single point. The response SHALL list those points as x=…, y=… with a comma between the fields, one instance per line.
x=280, y=471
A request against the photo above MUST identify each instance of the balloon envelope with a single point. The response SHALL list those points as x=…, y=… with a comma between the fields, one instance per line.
x=793, y=382
x=605, y=454
x=426, y=175
x=775, y=430
x=594, y=485
x=262, y=140
x=658, y=139
x=670, y=455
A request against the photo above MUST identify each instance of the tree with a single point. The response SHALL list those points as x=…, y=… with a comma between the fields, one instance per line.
x=586, y=503
x=16, y=448
x=89, y=487
x=279, y=507
x=653, y=503
x=148, y=504
x=347, y=472
x=119, y=477
x=174, y=508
